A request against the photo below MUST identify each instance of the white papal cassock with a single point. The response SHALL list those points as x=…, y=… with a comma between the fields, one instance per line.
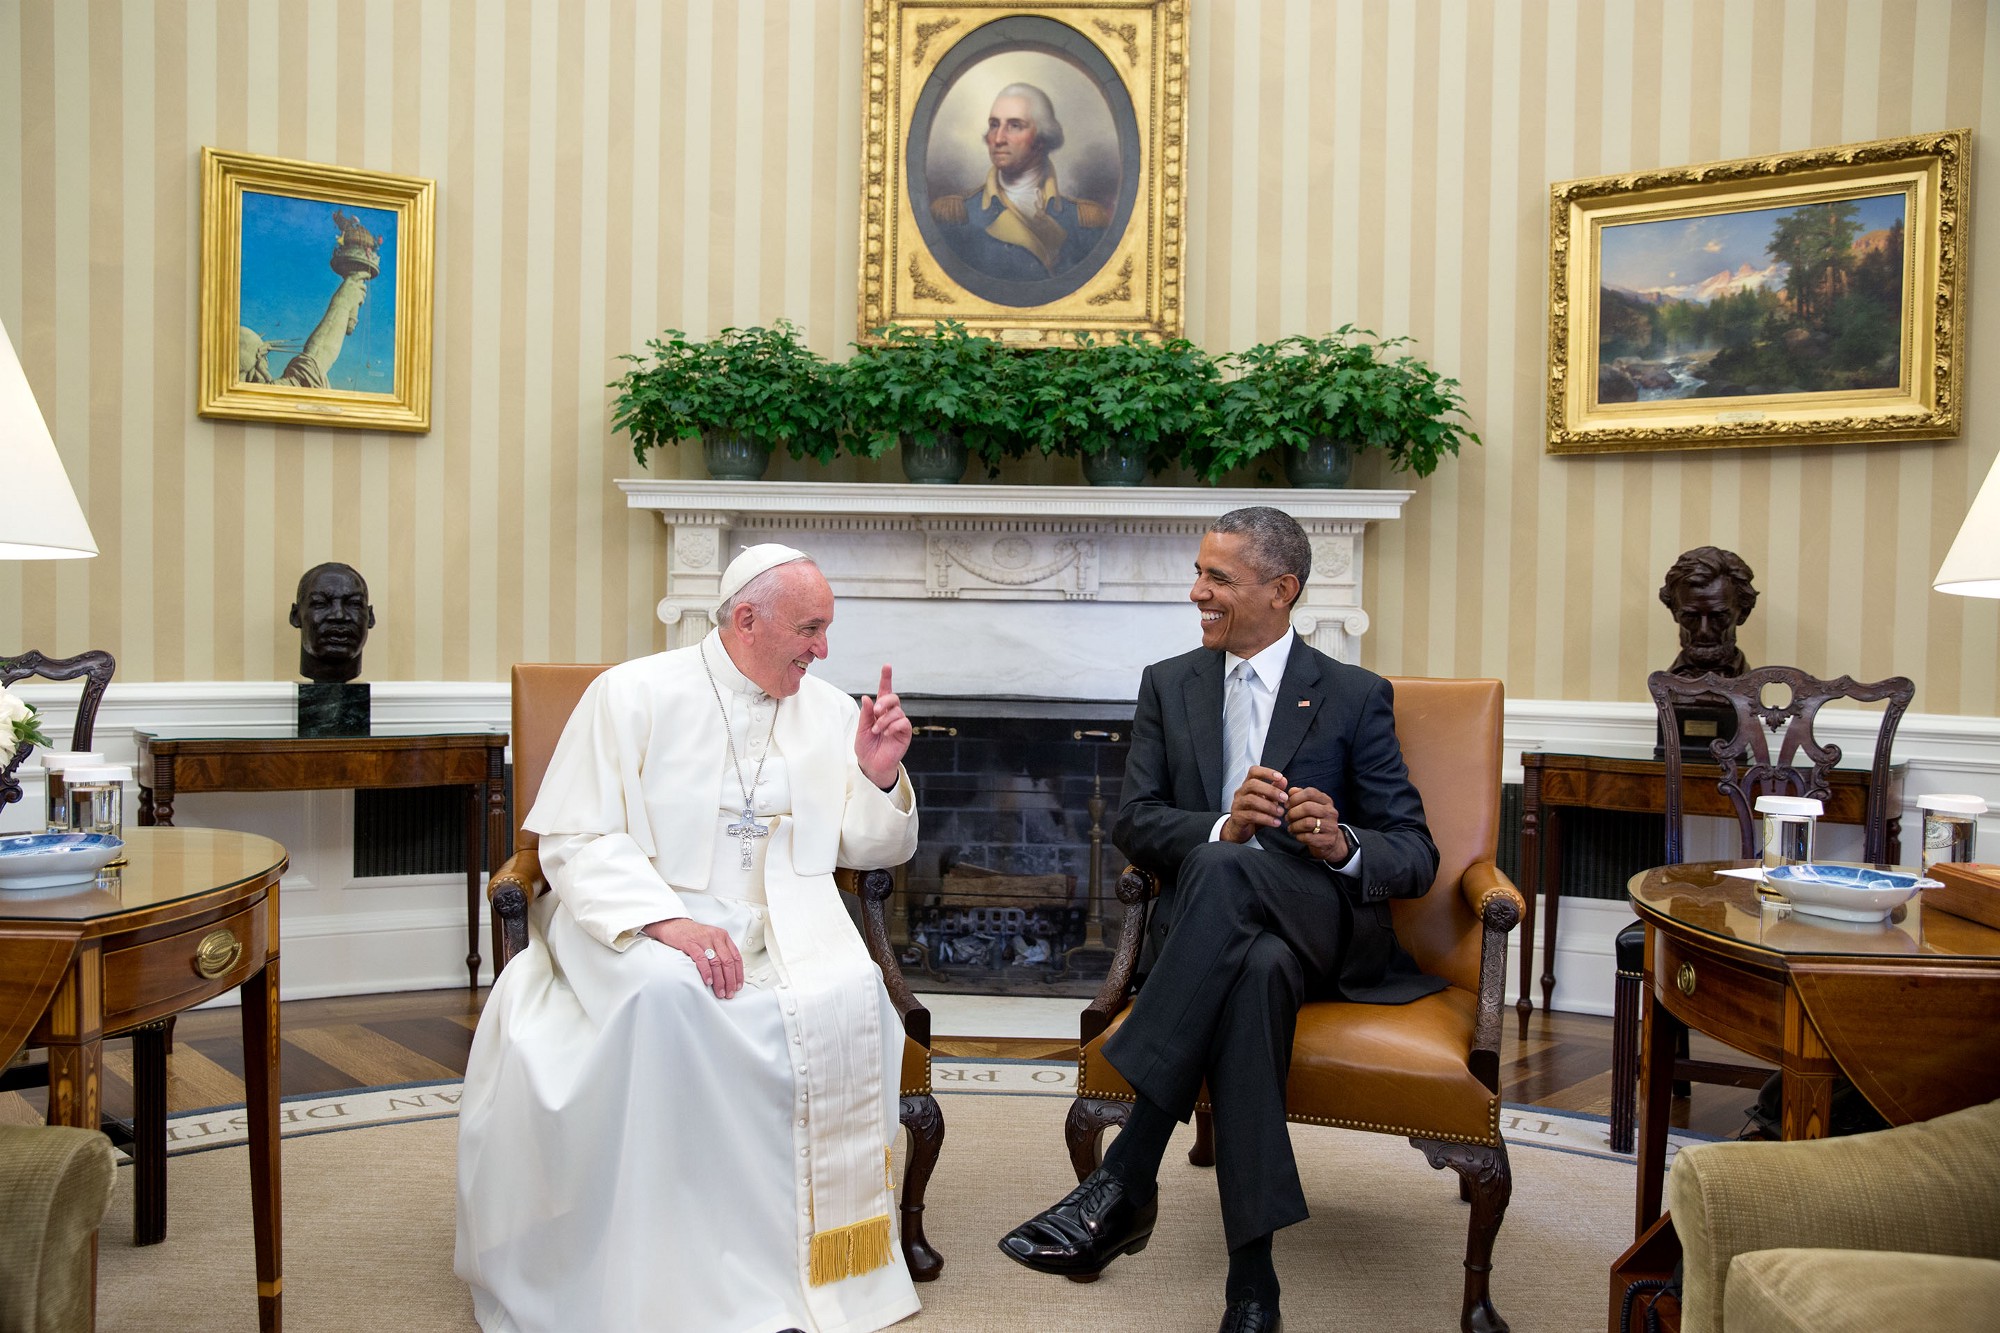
x=635, y=1153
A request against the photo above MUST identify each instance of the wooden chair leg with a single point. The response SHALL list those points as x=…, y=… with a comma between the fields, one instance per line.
x=1624, y=1059
x=1486, y=1172
x=1089, y=1117
x=925, y=1122
x=149, y=1133
x=1202, y=1153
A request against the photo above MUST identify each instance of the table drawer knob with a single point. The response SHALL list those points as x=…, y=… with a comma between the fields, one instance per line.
x=217, y=953
x=1684, y=978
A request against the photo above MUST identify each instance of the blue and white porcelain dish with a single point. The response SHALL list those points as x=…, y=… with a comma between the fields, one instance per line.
x=45, y=860
x=1845, y=893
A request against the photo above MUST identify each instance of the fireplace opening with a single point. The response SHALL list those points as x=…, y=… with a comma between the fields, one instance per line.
x=1012, y=888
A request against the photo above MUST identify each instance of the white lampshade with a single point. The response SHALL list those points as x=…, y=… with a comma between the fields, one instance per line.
x=41, y=519
x=1972, y=567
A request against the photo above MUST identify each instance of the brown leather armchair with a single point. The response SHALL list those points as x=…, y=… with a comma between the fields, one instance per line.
x=544, y=697
x=1427, y=1070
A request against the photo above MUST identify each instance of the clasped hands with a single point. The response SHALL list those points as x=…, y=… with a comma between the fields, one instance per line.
x=1267, y=800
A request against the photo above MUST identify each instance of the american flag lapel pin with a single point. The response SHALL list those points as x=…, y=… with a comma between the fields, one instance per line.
x=1305, y=703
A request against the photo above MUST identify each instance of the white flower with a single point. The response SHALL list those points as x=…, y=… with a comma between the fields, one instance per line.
x=17, y=724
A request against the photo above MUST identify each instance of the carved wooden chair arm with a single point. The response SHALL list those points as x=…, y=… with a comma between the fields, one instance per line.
x=1500, y=907
x=1483, y=883
x=509, y=891
x=1136, y=889
x=874, y=888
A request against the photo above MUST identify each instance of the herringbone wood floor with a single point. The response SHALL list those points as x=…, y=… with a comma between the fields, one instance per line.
x=414, y=1036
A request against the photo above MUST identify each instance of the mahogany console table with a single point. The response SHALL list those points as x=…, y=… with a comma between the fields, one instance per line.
x=187, y=915
x=1628, y=778
x=277, y=758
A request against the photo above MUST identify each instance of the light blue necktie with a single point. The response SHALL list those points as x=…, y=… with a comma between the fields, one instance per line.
x=1239, y=731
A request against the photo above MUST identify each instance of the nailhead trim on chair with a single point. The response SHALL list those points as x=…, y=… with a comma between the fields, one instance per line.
x=1492, y=1118
x=1492, y=1139
x=1083, y=1080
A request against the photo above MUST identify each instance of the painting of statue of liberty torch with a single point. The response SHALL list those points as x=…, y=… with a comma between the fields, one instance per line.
x=316, y=293
x=284, y=334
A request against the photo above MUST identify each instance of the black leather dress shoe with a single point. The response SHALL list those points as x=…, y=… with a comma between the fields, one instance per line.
x=1250, y=1317
x=1088, y=1228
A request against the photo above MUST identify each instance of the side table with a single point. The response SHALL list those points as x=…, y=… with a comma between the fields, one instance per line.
x=189, y=914
x=278, y=759
x=1905, y=1008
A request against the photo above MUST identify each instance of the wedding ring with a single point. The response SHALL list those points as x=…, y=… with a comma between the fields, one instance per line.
x=1315, y=824
x=709, y=954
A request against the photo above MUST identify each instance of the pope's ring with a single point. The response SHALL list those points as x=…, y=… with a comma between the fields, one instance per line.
x=709, y=954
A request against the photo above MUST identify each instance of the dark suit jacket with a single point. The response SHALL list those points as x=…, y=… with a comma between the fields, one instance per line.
x=1332, y=727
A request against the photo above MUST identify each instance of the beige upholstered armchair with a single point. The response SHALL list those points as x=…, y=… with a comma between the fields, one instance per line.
x=1429, y=1070
x=544, y=697
x=1899, y=1229
x=54, y=1185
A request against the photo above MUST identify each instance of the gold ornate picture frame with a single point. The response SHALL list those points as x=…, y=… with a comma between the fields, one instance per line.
x=316, y=286
x=1804, y=298
x=1080, y=111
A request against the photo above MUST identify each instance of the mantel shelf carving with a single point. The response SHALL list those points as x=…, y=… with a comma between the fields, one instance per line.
x=910, y=551
x=866, y=499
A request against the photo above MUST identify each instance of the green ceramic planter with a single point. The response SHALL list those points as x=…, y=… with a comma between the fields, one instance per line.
x=1122, y=463
x=1323, y=464
x=937, y=459
x=734, y=457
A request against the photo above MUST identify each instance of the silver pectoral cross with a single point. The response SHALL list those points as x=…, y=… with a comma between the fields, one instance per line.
x=743, y=831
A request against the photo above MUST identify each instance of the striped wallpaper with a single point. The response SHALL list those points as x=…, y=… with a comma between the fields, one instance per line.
x=607, y=168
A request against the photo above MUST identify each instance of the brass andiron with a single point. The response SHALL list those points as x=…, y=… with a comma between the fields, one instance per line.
x=1093, y=953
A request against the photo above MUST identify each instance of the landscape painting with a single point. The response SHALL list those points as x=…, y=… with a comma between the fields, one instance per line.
x=1815, y=296
x=1803, y=299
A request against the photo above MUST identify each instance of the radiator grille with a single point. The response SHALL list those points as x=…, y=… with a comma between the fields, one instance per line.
x=414, y=830
x=1601, y=851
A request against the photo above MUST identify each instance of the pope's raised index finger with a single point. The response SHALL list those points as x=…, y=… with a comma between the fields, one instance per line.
x=886, y=687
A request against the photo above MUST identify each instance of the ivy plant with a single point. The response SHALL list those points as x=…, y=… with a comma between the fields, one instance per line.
x=763, y=383
x=1348, y=385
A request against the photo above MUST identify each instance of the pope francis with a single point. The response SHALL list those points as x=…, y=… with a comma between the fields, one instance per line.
x=681, y=1096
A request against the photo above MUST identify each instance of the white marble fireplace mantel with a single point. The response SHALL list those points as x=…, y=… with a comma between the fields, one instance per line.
x=1058, y=592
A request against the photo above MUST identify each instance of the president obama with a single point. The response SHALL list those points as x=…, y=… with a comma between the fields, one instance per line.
x=1267, y=792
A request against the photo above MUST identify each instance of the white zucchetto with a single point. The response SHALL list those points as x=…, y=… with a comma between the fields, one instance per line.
x=755, y=560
